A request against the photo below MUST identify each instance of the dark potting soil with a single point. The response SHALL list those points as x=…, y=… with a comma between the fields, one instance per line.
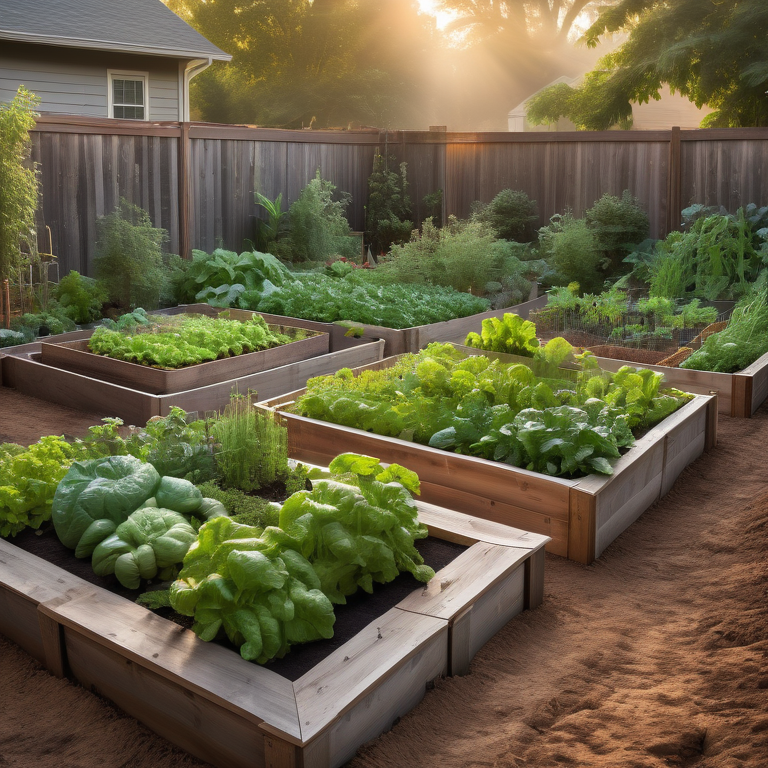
x=361, y=608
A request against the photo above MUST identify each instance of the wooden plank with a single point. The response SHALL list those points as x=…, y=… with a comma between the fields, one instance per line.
x=534, y=580
x=582, y=527
x=495, y=608
x=76, y=356
x=177, y=655
x=758, y=371
x=462, y=582
x=53, y=644
x=528, y=490
x=450, y=525
x=271, y=383
x=77, y=391
x=551, y=526
x=458, y=645
x=741, y=403
x=398, y=641
x=279, y=753
x=216, y=734
x=19, y=623
x=674, y=182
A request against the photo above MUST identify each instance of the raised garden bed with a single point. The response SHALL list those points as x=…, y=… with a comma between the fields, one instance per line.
x=738, y=394
x=397, y=342
x=76, y=356
x=580, y=516
x=232, y=713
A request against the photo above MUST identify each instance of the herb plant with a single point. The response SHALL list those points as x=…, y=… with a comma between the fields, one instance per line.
x=510, y=215
x=80, y=297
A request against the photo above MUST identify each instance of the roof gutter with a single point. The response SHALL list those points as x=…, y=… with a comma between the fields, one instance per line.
x=192, y=69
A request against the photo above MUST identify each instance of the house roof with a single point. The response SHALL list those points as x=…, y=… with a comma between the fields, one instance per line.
x=131, y=26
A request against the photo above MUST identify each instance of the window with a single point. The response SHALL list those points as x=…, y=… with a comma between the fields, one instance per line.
x=128, y=95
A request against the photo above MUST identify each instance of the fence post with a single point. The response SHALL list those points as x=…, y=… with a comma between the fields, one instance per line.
x=674, y=182
x=184, y=244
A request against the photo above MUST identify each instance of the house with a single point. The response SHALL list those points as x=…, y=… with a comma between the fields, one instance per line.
x=671, y=110
x=129, y=59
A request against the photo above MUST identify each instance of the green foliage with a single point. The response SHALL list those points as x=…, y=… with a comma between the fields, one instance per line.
x=718, y=257
x=9, y=338
x=175, y=447
x=18, y=180
x=251, y=446
x=511, y=334
x=42, y=323
x=465, y=256
x=80, y=297
x=242, y=507
x=741, y=342
x=151, y=541
x=28, y=481
x=510, y=215
x=433, y=202
x=271, y=230
x=359, y=299
x=97, y=495
x=155, y=599
x=571, y=248
x=186, y=340
x=318, y=228
x=129, y=258
x=271, y=588
x=618, y=223
x=471, y=405
x=388, y=211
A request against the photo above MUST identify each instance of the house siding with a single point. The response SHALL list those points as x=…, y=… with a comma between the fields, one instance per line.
x=74, y=82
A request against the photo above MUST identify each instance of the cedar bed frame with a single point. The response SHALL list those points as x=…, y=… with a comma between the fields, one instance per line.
x=581, y=517
x=52, y=370
x=235, y=714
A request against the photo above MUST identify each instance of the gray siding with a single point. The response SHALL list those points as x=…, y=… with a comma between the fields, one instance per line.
x=74, y=82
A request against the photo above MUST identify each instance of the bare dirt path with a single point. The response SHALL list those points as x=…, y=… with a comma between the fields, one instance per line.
x=654, y=656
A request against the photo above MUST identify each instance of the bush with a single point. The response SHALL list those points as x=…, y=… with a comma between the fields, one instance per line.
x=464, y=255
x=511, y=215
x=570, y=247
x=318, y=228
x=80, y=297
x=616, y=223
x=129, y=258
x=388, y=212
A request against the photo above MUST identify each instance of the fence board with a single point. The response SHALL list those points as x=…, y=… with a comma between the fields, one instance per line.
x=88, y=164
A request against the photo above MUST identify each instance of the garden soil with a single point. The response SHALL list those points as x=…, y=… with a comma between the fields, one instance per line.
x=654, y=656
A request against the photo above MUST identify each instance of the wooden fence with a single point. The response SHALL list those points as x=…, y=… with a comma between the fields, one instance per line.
x=198, y=180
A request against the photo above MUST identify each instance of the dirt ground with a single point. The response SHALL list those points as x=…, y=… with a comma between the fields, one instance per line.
x=653, y=656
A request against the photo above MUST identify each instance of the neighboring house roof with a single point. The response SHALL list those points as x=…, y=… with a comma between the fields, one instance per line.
x=131, y=26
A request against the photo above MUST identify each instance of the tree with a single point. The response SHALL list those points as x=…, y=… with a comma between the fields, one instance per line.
x=714, y=53
x=307, y=63
x=18, y=180
x=512, y=48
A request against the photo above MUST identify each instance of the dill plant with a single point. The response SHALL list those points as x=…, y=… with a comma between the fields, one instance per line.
x=251, y=446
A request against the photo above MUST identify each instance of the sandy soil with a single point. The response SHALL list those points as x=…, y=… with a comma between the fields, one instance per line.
x=653, y=656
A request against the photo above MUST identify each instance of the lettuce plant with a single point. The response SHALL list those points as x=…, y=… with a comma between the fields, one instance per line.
x=270, y=588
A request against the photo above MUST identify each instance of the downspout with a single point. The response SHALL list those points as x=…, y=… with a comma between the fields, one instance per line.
x=192, y=69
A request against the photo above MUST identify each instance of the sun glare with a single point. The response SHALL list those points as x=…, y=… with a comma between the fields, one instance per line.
x=441, y=17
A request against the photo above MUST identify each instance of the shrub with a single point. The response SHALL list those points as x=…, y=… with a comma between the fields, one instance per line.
x=80, y=297
x=433, y=202
x=511, y=215
x=616, y=223
x=129, y=258
x=18, y=180
x=570, y=247
x=388, y=212
x=318, y=228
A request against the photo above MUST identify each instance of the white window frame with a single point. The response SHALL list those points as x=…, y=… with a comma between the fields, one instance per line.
x=122, y=74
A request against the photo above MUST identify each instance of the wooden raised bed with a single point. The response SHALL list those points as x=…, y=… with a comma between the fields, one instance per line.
x=581, y=517
x=22, y=368
x=738, y=394
x=397, y=342
x=234, y=714
x=75, y=356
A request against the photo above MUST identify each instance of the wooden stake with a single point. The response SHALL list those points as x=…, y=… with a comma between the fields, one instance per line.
x=7, y=294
